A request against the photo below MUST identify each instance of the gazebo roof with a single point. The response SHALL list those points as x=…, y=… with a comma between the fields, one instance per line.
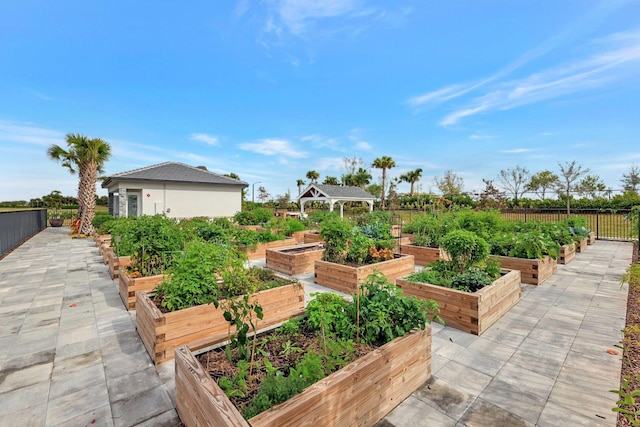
x=335, y=193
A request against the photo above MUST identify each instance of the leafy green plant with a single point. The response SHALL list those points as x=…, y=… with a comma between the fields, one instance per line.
x=236, y=387
x=471, y=280
x=194, y=278
x=243, y=314
x=626, y=405
x=527, y=245
x=257, y=216
x=285, y=226
x=336, y=234
x=465, y=249
x=431, y=276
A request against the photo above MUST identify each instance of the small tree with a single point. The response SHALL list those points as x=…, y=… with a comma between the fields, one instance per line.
x=541, y=182
x=591, y=186
x=569, y=175
x=514, y=180
x=313, y=176
x=450, y=184
x=412, y=177
x=263, y=194
x=631, y=180
x=491, y=197
x=384, y=163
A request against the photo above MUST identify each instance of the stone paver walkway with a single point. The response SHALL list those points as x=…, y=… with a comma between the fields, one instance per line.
x=70, y=355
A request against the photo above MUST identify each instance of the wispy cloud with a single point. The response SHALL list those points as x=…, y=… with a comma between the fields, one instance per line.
x=320, y=141
x=481, y=136
x=20, y=132
x=611, y=58
x=363, y=145
x=203, y=137
x=517, y=150
x=330, y=163
x=295, y=15
x=271, y=147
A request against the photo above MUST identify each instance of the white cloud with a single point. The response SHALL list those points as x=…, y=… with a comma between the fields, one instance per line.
x=517, y=150
x=363, y=145
x=611, y=58
x=330, y=163
x=203, y=137
x=480, y=136
x=29, y=133
x=270, y=147
x=296, y=14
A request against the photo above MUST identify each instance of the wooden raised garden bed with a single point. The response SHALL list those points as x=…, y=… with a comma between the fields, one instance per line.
x=581, y=245
x=567, y=254
x=312, y=237
x=105, y=250
x=361, y=393
x=129, y=286
x=422, y=254
x=592, y=238
x=532, y=271
x=296, y=260
x=347, y=279
x=115, y=262
x=204, y=325
x=298, y=236
x=472, y=312
x=261, y=250
x=99, y=239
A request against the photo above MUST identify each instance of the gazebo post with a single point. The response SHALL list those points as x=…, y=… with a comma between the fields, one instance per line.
x=341, y=209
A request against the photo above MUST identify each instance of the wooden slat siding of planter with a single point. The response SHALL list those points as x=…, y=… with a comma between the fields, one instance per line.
x=410, y=236
x=471, y=312
x=567, y=254
x=261, y=250
x=298, y=236
x=101, y=238
x=592, y=238
x=347, y=279
x=581, y=245
x=424, y=255
x=360, y=394
x=312, y=237
x=105, y=249
x=128, y=286
x=283, y=261
x=204, y=325
x=115, y=262
x=532, y=271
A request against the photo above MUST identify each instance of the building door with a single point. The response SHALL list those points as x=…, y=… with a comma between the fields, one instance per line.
x=132, y=205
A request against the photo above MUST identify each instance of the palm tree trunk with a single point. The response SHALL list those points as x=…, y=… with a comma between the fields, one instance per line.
x=88, y=176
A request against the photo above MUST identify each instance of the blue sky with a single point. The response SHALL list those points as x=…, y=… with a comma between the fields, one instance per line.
x=272, y=89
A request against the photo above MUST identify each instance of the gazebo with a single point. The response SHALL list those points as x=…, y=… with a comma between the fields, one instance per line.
x=333, y=194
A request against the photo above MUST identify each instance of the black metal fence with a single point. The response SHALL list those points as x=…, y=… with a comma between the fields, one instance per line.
x=608, y=224
x=17, y=226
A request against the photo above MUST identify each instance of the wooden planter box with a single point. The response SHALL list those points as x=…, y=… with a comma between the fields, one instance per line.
x=424, y=255
x=581, y=245
x=532, y=271
x=204, y=325
x=592, y=238
x=298, y=236
x=411, y=237
x=128, y=287
x=312, y=237
x=105, y=250
x=101, y=238
x=260, y=251
x=115, y=262
x=472, y=312
x=297, y=260
x=567, y=254
x=347, y=279
x=361, y=393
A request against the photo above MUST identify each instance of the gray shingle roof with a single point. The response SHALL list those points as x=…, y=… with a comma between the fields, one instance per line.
x=173, y=172
x=339, y=191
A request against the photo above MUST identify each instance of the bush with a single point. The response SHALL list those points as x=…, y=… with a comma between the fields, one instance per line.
x=471, y=280
x=99, y=219
x=258, y=216
x=465, y=249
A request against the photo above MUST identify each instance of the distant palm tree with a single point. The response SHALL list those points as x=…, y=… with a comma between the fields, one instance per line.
x=384, y=163
x=313, y=176
x=87, y=157
x=412, y=177
x=300, y=183
x=330, y=180
x=361, y=178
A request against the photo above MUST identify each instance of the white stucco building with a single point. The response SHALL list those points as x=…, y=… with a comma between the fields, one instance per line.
x=174, y=189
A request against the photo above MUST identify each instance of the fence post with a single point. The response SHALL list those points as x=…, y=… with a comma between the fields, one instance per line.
x=597, y=224
x=525, y=214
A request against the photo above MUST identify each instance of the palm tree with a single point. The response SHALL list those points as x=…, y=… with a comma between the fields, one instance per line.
x=300, y=183
x=412, y=177
x=330, y=180
x=384, y=163
x=87, y=157
x=361, y=178
x=313, y=176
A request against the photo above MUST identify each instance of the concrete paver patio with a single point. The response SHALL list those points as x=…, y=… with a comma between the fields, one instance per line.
x=70, y=354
